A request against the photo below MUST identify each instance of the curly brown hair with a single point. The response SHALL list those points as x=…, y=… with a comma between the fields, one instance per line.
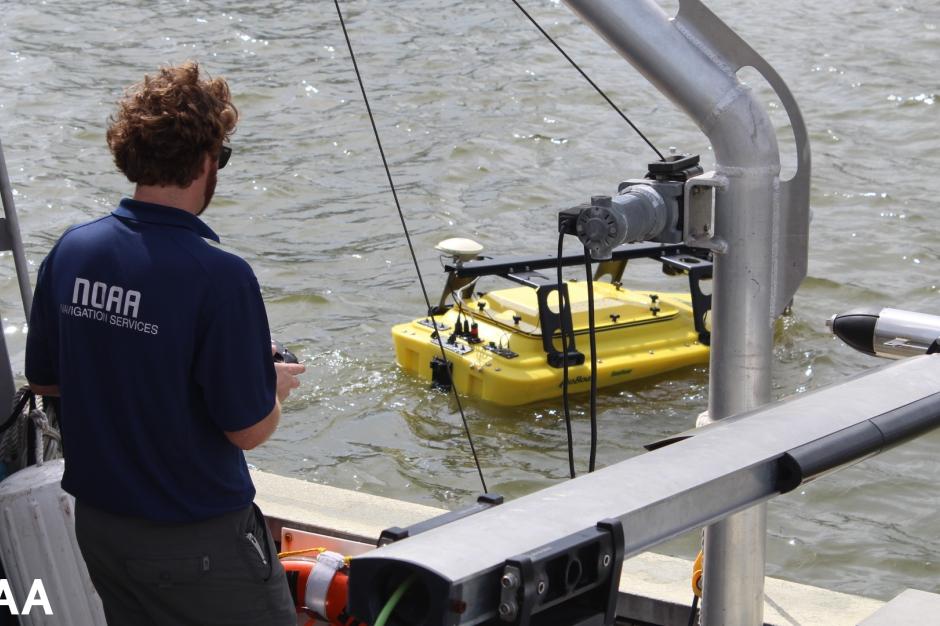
x=165, y=125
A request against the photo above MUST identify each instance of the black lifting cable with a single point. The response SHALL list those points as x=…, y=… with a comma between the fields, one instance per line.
x=590, y=278
x=562, y=303
x=404, y=225
x=591, y=334
x=588, y=79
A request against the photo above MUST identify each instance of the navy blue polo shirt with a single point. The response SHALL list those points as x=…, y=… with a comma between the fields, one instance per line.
x=160, y=344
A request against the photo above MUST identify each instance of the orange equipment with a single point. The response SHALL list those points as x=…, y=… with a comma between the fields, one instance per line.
x=697, y=570
x=320, y=588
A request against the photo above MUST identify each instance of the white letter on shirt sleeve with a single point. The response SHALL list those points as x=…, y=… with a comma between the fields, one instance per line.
x=131, y=302
x=81, y=286
x=115, y=294
x=98, y=291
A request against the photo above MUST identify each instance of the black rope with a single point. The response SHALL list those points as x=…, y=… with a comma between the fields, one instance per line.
x=404, y=225
x=562, y=301
x=590, y=294
x=28, y=396
x=588, y=79
x=692, y=613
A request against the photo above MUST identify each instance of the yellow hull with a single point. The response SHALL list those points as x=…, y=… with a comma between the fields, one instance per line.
x=637, y=336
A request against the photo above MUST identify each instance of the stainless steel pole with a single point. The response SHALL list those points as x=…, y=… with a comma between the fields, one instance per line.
x=15, y=240
x=739, y=380
x=693, y=59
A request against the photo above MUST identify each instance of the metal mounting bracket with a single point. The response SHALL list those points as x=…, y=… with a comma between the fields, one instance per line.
x=698, y=221
x=560, y=322
x=698, y=270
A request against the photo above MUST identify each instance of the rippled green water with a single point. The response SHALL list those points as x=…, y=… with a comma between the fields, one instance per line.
x=489, y=132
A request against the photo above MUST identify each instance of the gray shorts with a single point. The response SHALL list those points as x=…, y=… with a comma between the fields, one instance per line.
x=205, y=573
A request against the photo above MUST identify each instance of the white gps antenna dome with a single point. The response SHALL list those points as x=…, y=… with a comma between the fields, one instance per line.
x=460, y=248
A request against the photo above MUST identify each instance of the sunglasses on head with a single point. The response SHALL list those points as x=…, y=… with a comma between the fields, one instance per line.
x=224, y=156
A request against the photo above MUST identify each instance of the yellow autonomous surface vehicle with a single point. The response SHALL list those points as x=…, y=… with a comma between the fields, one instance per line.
x=508, y=346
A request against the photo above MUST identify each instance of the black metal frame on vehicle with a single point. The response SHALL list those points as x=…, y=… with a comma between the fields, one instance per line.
x=676, y=258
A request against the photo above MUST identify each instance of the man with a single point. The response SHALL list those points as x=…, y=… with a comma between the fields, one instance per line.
x=158, y=344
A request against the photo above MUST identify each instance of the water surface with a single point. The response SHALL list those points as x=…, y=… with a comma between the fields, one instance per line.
x=489, y=132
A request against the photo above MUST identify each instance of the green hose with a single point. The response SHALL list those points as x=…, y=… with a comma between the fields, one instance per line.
x=393, y=601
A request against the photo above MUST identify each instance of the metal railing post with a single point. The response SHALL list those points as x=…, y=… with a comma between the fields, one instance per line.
x=12, y=239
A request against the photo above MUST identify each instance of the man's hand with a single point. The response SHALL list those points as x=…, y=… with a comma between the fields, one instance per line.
x=254, y=436
x=287, y=374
